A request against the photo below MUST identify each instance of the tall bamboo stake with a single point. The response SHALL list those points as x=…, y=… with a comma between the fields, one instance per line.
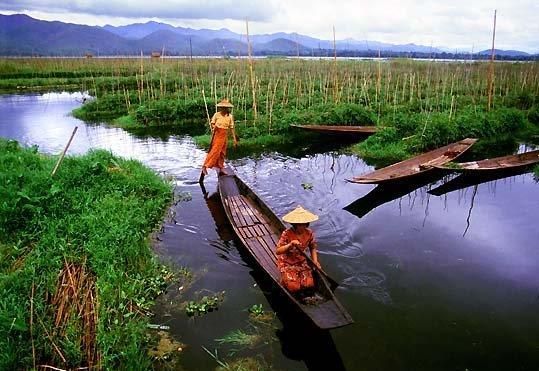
x=251, y=73
x=335, y=87
x=491, y=66
x=63, y=153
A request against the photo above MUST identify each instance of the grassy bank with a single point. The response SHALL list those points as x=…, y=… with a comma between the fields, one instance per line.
x=77, y=275
x=420, y=104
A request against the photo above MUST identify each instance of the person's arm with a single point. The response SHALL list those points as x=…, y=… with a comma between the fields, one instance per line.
x=281, y=249
x=284, y=244
x=213, y=121
x=314, y=253
x=233, y=131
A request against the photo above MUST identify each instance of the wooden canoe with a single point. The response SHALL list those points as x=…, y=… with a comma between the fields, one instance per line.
x=339, y=129
x=259, y=229
x=495, y=164
x=416, y=165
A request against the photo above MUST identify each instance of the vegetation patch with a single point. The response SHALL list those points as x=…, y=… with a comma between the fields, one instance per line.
x=77, y=274
x=420, y=105
x=205, y=305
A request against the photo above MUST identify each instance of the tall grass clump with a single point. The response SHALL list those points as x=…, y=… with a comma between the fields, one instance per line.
x=77, y=275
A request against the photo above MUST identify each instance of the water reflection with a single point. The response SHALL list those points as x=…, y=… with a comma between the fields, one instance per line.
x=300, y=339
x=383, y=193
x=469, y=180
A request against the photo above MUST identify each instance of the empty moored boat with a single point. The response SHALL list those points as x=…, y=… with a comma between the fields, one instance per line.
x=416, y=165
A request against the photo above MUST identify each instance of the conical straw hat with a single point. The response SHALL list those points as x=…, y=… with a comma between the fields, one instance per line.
x=300, y=215
x=225, y=103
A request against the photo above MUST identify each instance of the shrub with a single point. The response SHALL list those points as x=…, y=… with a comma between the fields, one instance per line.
x=533, y=115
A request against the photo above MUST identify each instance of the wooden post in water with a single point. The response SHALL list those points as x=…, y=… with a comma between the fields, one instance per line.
x=335, y=80
x=63, y=153
x=491, y=67
x=251, y=73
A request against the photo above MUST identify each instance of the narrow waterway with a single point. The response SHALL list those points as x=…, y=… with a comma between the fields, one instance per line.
x=435, y=278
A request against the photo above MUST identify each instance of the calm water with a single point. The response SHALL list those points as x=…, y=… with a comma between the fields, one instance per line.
x=447, y=280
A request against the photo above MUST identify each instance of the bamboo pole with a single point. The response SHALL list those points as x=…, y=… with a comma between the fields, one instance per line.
x=335, y=83
x=491, y=66
x=251, y=73
x=63, y=152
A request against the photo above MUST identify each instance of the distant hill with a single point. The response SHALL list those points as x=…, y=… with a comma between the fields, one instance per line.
x=281, y=46
x=137, y=31
x=21, y=35
x=505, y=53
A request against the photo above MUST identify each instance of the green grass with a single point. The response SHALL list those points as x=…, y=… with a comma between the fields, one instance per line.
x=98, y=211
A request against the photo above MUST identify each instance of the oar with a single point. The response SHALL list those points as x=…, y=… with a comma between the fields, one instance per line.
x=332, y=283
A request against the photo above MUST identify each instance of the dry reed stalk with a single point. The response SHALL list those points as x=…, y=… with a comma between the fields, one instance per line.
x=491, y=67
x=273, y=102
x=76, y=300
x=268, y=96
x=251, y=73
x=335, y=83
x=141, y=75
x=32, y=325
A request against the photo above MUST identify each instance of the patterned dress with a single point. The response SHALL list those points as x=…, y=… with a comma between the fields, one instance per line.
x=216, y=156
x=296, y=274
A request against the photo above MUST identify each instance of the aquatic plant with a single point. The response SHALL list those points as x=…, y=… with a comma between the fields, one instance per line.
x=205, y=305
x=256, y=310
x=240, y=338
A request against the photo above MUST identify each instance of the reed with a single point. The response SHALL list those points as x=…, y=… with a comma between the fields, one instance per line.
x=139, y=92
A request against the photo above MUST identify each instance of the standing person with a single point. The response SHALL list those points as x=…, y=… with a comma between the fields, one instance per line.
x=296, y=274
x=220, y=123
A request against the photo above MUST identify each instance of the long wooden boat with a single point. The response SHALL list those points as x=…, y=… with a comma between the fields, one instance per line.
x=259, y=229
x=494, y=164
x=339, y=129
x=416, y=165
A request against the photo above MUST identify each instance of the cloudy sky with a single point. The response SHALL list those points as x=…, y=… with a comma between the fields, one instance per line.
x=456, y=24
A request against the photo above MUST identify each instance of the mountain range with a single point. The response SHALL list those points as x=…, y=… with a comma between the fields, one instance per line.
x=21, y=35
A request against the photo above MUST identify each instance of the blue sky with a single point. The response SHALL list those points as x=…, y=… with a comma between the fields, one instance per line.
x=457, y=24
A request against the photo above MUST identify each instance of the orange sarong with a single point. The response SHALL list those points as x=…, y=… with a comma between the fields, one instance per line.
x=216, y=156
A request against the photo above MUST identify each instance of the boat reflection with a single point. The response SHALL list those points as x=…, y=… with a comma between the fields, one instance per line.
x=472, y=179
x=384, y=193
x=218, y=214
x=300, y=339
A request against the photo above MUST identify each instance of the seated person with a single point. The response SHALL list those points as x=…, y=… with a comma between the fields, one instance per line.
x=296, y=274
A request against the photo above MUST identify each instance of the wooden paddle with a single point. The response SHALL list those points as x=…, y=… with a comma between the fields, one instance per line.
x=332, y=283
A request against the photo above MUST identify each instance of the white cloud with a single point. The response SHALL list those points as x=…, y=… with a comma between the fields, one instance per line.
x=458, y=24
x=184, y=9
